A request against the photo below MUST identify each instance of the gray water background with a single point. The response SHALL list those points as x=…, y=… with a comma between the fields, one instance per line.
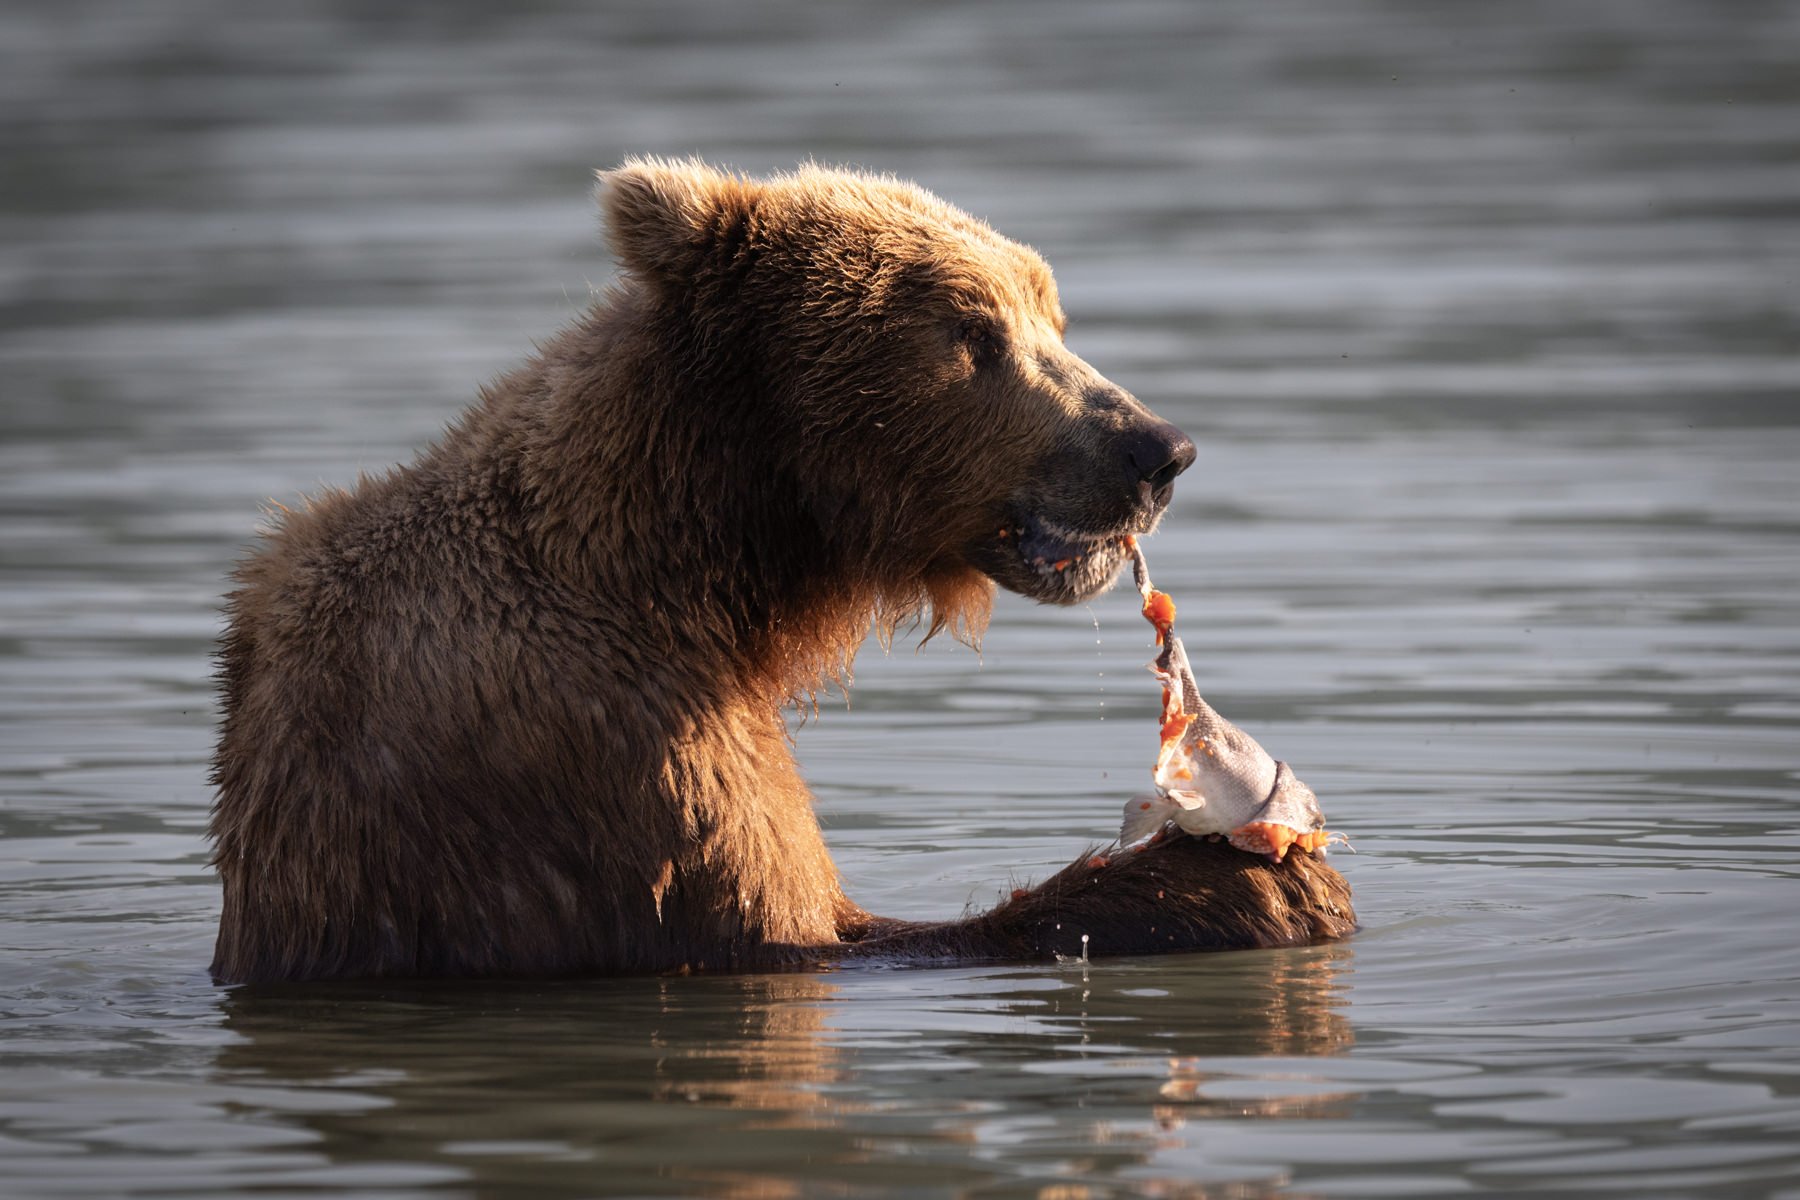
x=1485, y=320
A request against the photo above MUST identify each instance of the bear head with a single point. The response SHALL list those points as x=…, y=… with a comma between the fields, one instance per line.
x=908, y=363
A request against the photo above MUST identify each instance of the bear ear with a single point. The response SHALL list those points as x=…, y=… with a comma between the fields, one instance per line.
x=665, y=218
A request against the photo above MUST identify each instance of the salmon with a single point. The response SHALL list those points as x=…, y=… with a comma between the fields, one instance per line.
x=1210, y=776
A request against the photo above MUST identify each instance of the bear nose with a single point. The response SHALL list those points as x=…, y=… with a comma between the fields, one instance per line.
x=1155, y=456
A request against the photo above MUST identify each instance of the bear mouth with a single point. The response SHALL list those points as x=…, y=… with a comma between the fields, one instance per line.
x=1052, y=564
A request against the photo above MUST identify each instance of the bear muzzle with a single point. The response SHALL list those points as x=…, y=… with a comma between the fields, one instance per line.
x=1065, y=539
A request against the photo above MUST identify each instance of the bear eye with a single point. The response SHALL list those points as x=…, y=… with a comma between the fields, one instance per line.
x=979, y=335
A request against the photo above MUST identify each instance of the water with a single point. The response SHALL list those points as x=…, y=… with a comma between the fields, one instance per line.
x=1485, y=322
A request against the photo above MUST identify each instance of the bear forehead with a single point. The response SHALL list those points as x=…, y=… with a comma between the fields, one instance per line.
x=900, y=230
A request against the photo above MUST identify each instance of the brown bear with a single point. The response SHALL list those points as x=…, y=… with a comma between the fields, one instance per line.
x=516, y=709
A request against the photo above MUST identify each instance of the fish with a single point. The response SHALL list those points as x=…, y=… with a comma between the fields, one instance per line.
x=1212, y=778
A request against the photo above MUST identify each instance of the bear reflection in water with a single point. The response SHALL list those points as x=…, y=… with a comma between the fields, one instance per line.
x=514, y=709
x=684, y=1085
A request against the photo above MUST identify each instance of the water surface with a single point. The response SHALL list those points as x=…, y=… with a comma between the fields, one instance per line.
x=1485, y=323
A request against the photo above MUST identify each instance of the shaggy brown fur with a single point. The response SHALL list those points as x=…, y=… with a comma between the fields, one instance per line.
x=514, y=709
x=1184, y=894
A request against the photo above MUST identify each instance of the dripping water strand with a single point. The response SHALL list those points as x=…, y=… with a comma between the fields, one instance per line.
x=1100, y=656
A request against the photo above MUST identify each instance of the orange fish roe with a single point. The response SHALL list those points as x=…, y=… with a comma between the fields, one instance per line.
x=1266, y=837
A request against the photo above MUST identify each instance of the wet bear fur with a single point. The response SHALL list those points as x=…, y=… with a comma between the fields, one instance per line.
x=515, y=709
